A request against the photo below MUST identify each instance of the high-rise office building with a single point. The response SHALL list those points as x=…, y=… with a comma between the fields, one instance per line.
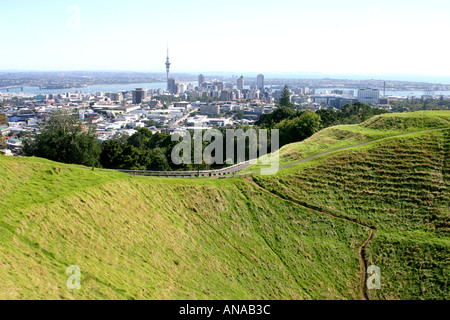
x=201, y=80
x=240, y=83
x=260, y=82
x=172, y=86
x=138, y=95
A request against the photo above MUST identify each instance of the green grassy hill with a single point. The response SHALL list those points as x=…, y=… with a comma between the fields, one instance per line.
x=167, y=238
x=150, y=238
x=342, y=136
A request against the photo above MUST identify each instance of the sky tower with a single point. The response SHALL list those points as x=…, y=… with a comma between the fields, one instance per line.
x=168, y=68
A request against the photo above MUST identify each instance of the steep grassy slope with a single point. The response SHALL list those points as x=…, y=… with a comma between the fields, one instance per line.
x=155, y=238
x=400, y=186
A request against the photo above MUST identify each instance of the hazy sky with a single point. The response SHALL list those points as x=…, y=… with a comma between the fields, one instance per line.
x=329, y=36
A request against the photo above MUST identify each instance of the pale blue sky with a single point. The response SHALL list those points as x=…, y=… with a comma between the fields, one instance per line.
x=346, y=36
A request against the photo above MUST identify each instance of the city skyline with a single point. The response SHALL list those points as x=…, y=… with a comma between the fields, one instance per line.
x=291, y=37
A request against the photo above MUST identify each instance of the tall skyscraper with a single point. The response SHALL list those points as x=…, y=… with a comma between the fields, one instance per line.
x=168, y=69
x=260, y=82
x=201, y=80
x=171, y=86
x=240, y=83
x=138, y=95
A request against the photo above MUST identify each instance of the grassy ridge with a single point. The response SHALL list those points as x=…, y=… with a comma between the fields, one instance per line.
x=400, y=186
x=378, y=127
x=409, y=121
x=164, y=239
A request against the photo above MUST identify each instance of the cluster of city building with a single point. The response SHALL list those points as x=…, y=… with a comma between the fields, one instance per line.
x=180, y=106
x=175, y=109
x=123, y=112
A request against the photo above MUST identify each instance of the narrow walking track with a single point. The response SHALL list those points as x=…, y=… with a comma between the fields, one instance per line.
x=362, y=262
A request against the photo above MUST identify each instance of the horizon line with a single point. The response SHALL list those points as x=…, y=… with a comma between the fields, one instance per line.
x=333, y=76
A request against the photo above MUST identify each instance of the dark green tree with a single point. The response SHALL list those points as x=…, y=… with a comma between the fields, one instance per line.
x=329, y=117
x=158, y=160
x=111, y=156
x=299, y=128
x=141, y=138
x=285, y=110
x=285, y=100
x=64, y=138
x=134, y=158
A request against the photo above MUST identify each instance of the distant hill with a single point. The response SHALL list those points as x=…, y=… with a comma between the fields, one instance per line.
x=167, y=238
